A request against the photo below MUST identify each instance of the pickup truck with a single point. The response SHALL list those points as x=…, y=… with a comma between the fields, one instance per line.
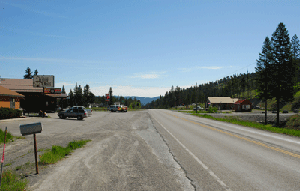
x=122, y=108
x=73, y=113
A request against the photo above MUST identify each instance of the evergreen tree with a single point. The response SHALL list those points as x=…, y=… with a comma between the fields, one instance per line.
x=36, y=72
x=63, y=91
x=264, y=73
x=28, y=74
x=283, y=76
x=71, y=98
x=295, y=45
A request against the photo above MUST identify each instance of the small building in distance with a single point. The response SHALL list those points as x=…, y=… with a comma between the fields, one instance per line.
x=243, y=105
x=223, y=103
x=10, y=99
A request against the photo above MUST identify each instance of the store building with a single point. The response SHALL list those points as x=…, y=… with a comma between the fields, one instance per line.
x=9, y=99
x=37, y=95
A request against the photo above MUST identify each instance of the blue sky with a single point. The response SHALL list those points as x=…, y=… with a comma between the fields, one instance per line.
x=138, y=47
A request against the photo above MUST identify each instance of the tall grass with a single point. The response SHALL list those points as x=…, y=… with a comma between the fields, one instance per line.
x=8, y=136
x=11, y=181
x=57, y=152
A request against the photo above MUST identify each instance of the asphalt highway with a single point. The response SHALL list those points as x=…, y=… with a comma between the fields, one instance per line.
x=222, y=156
x=159, y=150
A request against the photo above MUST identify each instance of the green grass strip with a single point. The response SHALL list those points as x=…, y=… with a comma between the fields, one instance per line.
x=57, y=152
x=253, y=124
x=9, y=137
x=12, y=181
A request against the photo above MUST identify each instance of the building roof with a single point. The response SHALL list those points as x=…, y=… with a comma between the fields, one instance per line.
x=6, y=92
x=243, y=101
x=222, y=100
x=57, y=95
x=19, y=85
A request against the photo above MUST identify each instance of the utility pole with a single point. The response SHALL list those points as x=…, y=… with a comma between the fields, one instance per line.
x=196, y=98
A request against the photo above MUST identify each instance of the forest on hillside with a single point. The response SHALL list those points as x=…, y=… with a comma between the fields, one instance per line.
x=276, y=76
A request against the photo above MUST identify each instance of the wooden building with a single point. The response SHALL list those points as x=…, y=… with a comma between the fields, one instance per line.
x=10, y=99
x=223, y=103
x=242, y=105
x=35, y=98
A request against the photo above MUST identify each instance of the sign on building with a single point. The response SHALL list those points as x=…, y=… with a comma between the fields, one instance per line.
x=52, y=90
x=42, y=81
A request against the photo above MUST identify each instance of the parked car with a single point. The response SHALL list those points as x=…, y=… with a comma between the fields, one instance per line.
x=73, y=113
x=122, y=108
x=113, y=108
x=198, y=108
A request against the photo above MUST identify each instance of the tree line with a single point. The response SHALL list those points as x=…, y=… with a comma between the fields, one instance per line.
x=276, y=76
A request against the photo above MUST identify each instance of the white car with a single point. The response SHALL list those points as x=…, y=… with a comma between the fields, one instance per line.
x=198, y=108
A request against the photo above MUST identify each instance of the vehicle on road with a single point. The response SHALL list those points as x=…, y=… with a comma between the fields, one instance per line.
x=73, y=113
x=198, y=108
x=113, y=108
x=122, y=108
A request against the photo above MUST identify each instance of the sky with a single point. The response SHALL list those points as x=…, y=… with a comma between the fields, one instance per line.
x=138, y=47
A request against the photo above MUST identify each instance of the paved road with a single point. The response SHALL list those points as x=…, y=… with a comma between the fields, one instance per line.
x=159, y=150
x=220, y=156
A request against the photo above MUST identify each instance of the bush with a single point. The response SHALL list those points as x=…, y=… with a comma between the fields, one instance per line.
x=293, y=122
x=11, y=181
x=6, y=113
x=212, y=109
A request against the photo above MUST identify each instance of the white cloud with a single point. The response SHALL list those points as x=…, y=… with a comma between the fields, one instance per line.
x=41, y=12
x=131, y=91
x=60, y=84
x=210, y=67
x=151, y=75
x=146, y=76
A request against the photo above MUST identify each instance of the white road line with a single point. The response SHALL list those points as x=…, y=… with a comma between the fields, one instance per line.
x=198, y=160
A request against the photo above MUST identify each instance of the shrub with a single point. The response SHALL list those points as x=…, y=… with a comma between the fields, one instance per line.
x=293, y=122
x=212, y=109
x=6, y=113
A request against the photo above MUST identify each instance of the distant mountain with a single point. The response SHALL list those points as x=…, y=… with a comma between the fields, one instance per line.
x=144, y=100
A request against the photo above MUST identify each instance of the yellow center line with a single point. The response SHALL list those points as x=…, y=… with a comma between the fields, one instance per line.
x=239, y=137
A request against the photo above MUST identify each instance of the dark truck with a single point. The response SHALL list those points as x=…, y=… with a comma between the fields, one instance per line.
x=73, y=113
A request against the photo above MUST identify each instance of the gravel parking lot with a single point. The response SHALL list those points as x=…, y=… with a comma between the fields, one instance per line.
x=126, y=153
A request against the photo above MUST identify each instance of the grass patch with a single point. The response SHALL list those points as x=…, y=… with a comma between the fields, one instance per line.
x=12, y=181
x=9, y=136
x=269, y=127
x=99, y=108
x=57, y=152
x=8, y=164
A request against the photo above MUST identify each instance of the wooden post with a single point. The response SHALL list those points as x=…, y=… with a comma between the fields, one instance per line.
x=2, y=160
x=35, y=154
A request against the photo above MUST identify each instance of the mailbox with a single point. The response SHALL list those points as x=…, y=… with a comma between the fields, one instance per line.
x=31, y=128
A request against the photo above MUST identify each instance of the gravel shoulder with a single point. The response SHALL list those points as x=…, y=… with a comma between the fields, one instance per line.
x=126, y=153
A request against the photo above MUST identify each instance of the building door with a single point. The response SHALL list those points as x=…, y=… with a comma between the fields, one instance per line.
x=12, y=103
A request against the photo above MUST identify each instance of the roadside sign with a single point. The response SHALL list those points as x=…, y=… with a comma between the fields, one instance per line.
x=31, y=128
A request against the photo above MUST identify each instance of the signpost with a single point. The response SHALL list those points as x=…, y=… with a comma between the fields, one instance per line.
x=32, y=128
x=2, y=160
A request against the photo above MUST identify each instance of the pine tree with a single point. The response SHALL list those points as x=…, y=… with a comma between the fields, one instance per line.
x=295, y=45
x=63, y=91
x=284, y=69
x=28, y=74
x=36, y=72
x=264, y=73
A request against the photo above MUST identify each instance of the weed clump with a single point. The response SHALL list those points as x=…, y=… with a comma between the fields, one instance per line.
x=212, y=109
x=293, y=122
x=57, y=152
x=11, y=181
